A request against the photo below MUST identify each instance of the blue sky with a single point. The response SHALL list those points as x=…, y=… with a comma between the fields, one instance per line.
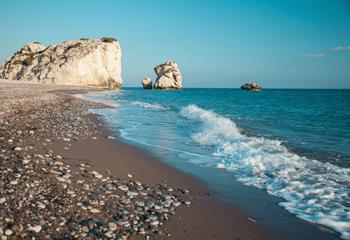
x=280, y=44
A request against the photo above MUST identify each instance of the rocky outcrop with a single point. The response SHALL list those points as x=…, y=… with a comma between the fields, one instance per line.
x=168, y=76
x=84, y=62
x=251, y=87
x=146, y=83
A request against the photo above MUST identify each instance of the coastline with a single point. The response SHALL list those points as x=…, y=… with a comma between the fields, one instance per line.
x=206, y=218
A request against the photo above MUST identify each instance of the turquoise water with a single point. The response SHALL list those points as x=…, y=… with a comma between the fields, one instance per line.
x=292, y=144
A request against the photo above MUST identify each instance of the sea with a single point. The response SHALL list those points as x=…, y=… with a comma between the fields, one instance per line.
x=281, y=155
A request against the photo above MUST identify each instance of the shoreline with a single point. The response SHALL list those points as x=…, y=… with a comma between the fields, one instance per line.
x=225, y=221
x=206, y=218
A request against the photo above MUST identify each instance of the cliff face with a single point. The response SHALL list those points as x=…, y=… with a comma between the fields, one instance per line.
x=84, y=62
x=168, y=76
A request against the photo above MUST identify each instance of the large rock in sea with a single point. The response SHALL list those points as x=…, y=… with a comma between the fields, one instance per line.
x=85, y=62
x=146, y=83
x=168, y=76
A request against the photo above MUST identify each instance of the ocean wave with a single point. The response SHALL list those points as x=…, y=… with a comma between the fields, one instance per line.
x=314, y=191
x=149, y=105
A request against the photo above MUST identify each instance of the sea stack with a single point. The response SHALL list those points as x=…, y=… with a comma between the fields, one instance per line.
x=146, y=83
x=251, y=87
x=168, y=76
x=84, y=62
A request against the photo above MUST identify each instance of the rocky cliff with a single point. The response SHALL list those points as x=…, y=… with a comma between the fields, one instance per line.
x=168, y=76
x=84, y=62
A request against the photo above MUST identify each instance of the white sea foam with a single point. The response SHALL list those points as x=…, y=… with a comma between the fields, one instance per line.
x=149, y=105
x=98, y=97
x=314, y=191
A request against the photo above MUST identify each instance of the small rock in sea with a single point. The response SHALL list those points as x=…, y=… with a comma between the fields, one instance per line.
x=110, y=137
x=129, y=175
x=187, y=203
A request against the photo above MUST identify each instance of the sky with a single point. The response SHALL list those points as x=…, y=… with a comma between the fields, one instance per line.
x=217, y=43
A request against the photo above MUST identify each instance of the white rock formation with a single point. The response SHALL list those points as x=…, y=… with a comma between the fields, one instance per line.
x=146, y=83
x=1, y=68
x=82, y=62
x=168, y=76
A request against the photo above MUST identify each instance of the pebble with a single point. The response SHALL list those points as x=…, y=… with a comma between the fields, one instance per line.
x=97, y=175
x=123, y=188
x=40, y=205
x=35, y=229
x=112, y=226
x=94, y=210
x=25, y=161
x=85, y=229
x=14, y=182
x=176, y=203
x=8, y=232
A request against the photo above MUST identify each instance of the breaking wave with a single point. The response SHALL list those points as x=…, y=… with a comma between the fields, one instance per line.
x=149, y=105
x=314, y=191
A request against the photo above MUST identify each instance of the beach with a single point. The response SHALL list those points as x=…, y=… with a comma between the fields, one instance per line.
x=72, y=177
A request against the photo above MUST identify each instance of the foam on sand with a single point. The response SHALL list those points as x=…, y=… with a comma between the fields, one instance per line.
x=314, y=191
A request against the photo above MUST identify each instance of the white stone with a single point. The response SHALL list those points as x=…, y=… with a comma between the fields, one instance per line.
x=14, y=182
x=35, y=229
x=94, y=210
x=97, y=175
